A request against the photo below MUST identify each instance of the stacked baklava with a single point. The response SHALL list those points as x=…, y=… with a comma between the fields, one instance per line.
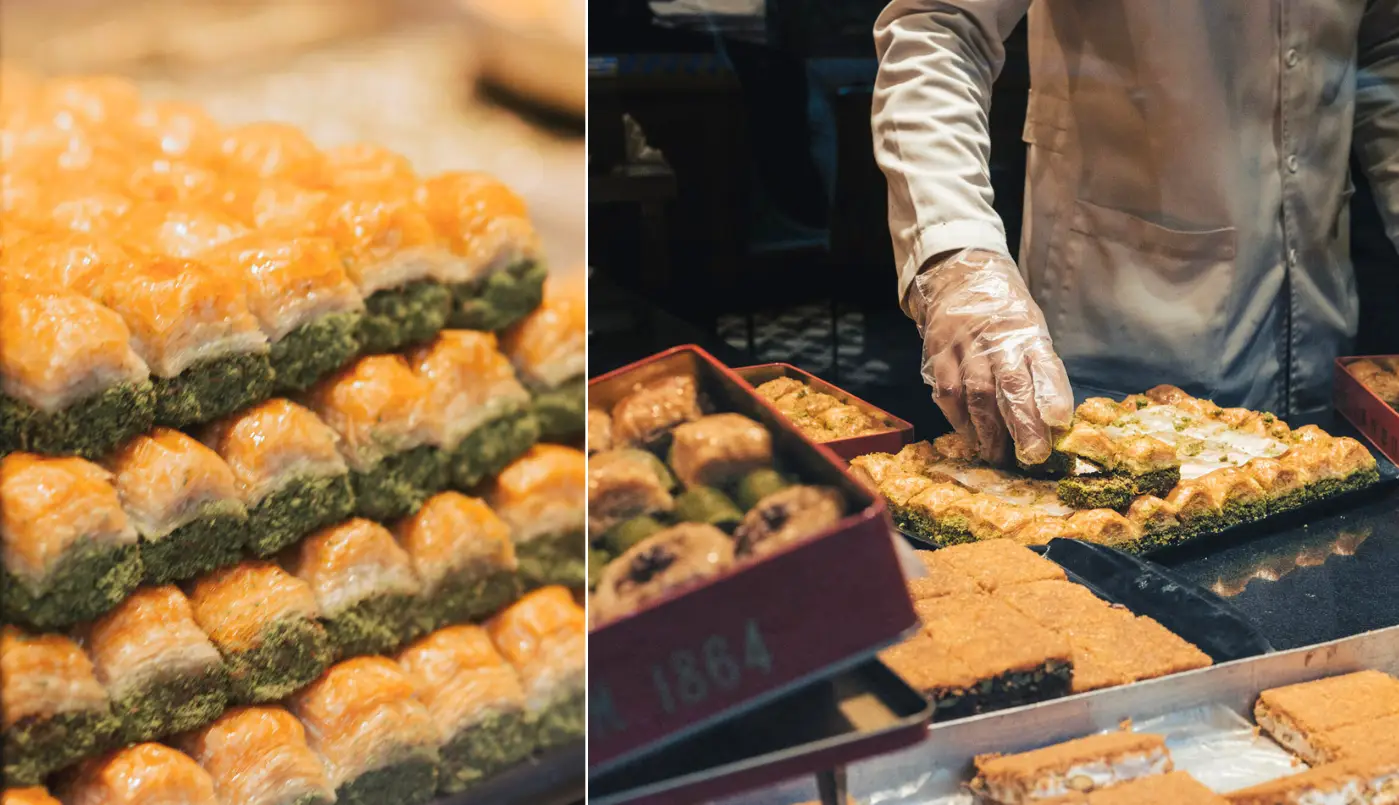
x=266, y=411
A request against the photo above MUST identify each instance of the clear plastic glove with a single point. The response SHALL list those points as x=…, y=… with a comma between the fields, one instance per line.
x=988, y=356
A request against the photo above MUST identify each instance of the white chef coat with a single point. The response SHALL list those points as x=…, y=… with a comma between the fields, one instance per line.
x=1187, y=215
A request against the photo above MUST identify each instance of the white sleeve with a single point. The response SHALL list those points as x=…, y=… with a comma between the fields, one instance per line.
x=1377, y=108
x=937, y=61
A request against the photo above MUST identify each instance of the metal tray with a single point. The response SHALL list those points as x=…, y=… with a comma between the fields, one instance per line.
x=864, y=712
x=766, y=628
x=556, y=777
x=940, y=765
x=897, y=434
x=1373, y=417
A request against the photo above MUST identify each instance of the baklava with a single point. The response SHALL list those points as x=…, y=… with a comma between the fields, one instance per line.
x=543, y=636
x=542, y=497
x=463, y=554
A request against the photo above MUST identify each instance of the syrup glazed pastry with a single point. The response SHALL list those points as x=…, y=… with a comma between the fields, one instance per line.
x=1380, y=376
x=645, y=417
x=671, y=560
x=70, y=382
x=183, y=501
x=364, y=584
x=788, y=516
x=376, y=740
x=161, y=671
x=543, y=636
x=475, y=699
x=1235, y=466
x=383, y=415
x=480, y=409
x=259, y=756
x=55, y=712
x=549, y=348
x=289, y=471
x=140, y=774
x=1319, y=721
x=265, y=623
x=70, y=551
x=493, y=263
x=35, y=795
x=1082, y=766
x=623, y=484
x=462, y=552
x=821, y=416
x=541, y=496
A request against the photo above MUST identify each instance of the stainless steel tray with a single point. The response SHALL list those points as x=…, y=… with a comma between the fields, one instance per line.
x=941, y=764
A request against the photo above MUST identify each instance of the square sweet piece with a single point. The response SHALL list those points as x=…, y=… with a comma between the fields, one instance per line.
x=1176, y=788
x=1294, y=714
x=1081, y=766
x=999, y=563
x=934, y=671
x=1333, y=782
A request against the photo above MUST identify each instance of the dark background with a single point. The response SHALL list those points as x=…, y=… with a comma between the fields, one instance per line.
x=771, y=224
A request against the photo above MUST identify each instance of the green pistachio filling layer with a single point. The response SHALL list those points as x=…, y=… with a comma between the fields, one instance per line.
x=491, y=447
x=554, y=559
x=562, y=411
x=314, y=350
x=377, y=625
x=90, y=427
x=292, y=653
x=412, y=782
x=398, y=317
x=1053, y=680
x=498, y=742
x=37, y=747
x=174, y=704
x=212, y=388
x=1115, y=490
x=397, y=486
x=88, y=581
x=500, y=298
x=562, y=721
x=213, y=540
x=468, y=596
x=302, y=506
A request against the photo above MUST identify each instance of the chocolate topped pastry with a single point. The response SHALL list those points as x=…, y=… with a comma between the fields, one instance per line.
x=678, y=557
x=784, y=517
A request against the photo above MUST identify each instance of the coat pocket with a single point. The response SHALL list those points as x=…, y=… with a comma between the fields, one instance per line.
x=1139, y=303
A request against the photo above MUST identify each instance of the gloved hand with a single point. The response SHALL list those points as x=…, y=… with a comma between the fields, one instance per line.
x=988, y=356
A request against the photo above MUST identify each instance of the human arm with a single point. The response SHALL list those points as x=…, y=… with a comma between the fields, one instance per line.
x=1377, y=108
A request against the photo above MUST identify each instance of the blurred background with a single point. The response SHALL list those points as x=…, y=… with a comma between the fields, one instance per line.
x=753, y=219
x=452, y=84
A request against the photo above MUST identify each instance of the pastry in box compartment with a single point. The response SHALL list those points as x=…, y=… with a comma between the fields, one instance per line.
x=646, y=416
x=671, y=560
x=265, y=623
x=289, y=470
x=70, y=551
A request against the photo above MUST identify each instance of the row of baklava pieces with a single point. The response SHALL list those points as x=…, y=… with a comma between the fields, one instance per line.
x=435, y=396
x=56, y=509
x=357, y=716
x=819, y=415
x=95, y=139
x=1315, y=457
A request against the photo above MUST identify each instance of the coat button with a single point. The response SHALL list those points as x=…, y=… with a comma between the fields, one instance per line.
x=1292, y=163
x=1293, y=58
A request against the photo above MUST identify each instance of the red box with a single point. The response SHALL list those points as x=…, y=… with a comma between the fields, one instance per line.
x=898, y=434
x=708, y=653
x=1373, y=417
